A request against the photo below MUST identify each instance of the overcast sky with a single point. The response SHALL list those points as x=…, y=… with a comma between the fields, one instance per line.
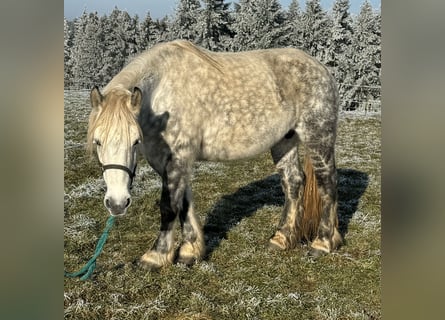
x=161, y=8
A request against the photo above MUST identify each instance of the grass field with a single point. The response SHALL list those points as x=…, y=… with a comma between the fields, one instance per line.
x=239, y=204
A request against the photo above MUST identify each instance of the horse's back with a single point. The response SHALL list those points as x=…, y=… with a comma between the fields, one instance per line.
x=234, y=105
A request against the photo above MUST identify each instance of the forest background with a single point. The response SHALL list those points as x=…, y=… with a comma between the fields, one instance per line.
x=97, y=47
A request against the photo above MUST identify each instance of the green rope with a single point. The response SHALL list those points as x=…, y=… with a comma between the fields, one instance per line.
x=89, y=267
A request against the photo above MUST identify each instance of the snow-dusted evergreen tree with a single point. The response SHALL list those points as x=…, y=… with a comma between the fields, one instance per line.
x=184, y=24
x=128, y=29
x=147, y=34
x=68, y=36
x=316, y=30
x=378, y=53
x=119, y=42
x=163, y=32
x=340, y=51
x=242, y=25
x=114, y=46
x=258, y=24
x=213, y=25
x=293, y=25
x=87, y=52
x=366, y=59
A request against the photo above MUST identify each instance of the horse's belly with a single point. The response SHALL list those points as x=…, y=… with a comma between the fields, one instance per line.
x=241, y=143
x=232, y=152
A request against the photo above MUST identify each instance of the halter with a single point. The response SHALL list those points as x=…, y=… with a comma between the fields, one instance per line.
x=131, y=174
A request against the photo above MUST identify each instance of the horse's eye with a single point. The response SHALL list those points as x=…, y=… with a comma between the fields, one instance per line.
x=97, y=142
x=137, y=142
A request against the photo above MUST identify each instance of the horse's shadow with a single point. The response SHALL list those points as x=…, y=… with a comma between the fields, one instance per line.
x=232, y=208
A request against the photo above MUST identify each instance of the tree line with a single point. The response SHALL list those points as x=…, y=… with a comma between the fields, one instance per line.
x=97, y=47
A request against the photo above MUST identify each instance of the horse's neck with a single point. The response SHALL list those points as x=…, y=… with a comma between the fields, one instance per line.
x=135, y=73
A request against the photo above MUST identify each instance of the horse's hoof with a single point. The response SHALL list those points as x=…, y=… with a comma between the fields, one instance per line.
x=149, y=266
x=188, y=261
x=320, y=247
x=316, y=253
x=274, y=246
x=280, y=242
x=154, y=261
x=190, y=253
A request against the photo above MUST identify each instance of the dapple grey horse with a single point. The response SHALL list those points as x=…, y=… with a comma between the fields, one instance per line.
x=179, y=103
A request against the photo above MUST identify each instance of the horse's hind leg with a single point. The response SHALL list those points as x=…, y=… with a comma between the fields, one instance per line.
x=323, y=161
x=285, y=156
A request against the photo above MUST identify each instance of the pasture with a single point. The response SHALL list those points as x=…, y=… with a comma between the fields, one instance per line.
x=239, y=204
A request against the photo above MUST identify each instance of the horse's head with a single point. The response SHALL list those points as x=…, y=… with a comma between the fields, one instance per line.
x=114, y=132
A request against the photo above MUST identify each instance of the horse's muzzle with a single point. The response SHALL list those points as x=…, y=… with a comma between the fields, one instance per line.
x=117, y=208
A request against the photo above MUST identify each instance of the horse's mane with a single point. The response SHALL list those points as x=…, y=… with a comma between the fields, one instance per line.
x=115, y=114
x=143, y=66
x=199, y=52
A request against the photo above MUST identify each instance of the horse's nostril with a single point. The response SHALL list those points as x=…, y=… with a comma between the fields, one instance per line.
x=107, y=203
x=128, y=203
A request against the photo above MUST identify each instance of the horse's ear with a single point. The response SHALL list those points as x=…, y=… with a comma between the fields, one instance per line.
x=136, y=98
x=95, y=97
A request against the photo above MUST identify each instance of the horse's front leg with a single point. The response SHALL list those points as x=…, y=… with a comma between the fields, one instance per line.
x=162, y=253
x=193, y=247
x=176, y=200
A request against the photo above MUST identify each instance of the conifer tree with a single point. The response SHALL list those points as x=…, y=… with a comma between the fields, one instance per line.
x=316, y=29
x=366, y=59
x=184, y=24
x=213, y=25
x=163, y=30
x=258, y=25
x=87, y=53
x=67, y=52
x=128, y=29
x=293, y=25
x=119, y=41
x=147, y=34
x=340, y=51
x=242, y=25
x=114, y=46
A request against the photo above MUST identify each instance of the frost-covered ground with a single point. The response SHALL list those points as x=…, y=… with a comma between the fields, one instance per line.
x=239, y=204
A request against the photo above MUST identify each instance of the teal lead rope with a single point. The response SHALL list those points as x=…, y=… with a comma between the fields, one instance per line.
x=89, y=267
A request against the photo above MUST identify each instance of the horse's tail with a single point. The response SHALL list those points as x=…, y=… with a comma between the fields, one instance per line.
x=312, y=203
